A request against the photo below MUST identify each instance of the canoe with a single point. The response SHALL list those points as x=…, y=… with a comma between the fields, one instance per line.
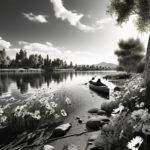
x=100, y=89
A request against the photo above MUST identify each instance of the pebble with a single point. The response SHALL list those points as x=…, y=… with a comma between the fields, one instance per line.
x=80, y=121
x=61, y=130
x=48, y=147
x=71, y=147
x=93, y=110
x=101, y=112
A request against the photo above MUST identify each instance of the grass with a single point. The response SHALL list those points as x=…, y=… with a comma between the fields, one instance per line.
x=33, y=112
x=129, y=123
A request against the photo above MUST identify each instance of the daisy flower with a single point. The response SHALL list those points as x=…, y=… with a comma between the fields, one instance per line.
x=68, y=101
x=63, y=113
x=135, y=143
x=53, y=104
x=118, y=110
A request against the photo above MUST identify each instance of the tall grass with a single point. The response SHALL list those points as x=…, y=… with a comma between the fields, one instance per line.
x=132, y=121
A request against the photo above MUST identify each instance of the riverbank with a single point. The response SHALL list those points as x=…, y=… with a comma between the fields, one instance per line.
x=68, y=104
x=129, y=127
x=81, y=112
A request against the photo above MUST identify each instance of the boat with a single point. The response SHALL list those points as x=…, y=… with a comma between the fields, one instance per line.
x=99, y=89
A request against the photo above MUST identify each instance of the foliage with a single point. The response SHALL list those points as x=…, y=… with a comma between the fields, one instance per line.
x=33, y=61
x=130, y=54
x=129, y=127
x=116, y=134
x=123, y=9
x=36, y=110
x=4, y=60
x=91, y=67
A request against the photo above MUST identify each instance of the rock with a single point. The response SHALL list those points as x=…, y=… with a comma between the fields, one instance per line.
x=61, y=130
x=77, y=117
x=71, y=147
x=96, y=148
x=101, y=112
x=48, y=147
x=90, y=143
x=117, y=88
x=96, y=122
x=93, y=110
x=80, y=121
x=93, y=137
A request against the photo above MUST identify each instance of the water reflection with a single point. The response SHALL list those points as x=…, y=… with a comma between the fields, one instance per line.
x=25, y=82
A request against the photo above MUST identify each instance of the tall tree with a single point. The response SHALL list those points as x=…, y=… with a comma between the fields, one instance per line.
x=21, y=58
x=130, y=54
x=4, y=59
x=123, y=9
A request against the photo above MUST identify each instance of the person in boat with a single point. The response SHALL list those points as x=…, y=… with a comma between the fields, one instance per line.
x=92, y=80
x=99, y=83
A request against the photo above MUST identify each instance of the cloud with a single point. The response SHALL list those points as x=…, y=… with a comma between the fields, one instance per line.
x=40, y=48
x=11, y=52
x=36, y=18
x=48, y=48
x=73, y=18
x=4, y=44
x=101, y=22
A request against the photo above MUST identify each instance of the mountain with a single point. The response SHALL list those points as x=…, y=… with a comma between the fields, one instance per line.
x=105, y=64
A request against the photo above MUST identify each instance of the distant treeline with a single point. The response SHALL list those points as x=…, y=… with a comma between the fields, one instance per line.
x=37, y=61
x=32, y=61
x=90, y=68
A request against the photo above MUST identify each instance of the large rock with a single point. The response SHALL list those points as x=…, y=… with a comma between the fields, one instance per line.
x=71, y=147
x=101, y=112
x=48, y=147
x=61, y=130
x=93, y=137
x=93, y=110
x=96, y=122
x=117, y=88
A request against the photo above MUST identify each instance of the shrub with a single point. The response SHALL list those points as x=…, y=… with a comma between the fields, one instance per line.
x=132, y=123
x=116, y=134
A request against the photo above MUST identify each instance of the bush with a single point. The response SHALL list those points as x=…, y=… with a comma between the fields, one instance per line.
x=116, y=134
x=132, y=123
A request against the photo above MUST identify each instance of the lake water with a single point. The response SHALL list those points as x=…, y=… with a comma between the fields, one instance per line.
x=21, y=86
x=68, y=91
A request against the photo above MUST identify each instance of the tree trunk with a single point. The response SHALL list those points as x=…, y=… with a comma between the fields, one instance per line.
x=147, y=64
x=147, y=76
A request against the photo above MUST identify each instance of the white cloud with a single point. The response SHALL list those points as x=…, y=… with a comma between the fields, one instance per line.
x=4, y=44
x=39, y=48
x=73, y=18
x=48, y=48
x=36, y=18
x=11, y=52
x=101, y=22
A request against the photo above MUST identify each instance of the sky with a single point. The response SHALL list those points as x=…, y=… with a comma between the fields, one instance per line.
x=74, y=30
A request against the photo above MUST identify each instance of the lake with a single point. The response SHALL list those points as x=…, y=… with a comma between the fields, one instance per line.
x=68, y=94
x=21, y=86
